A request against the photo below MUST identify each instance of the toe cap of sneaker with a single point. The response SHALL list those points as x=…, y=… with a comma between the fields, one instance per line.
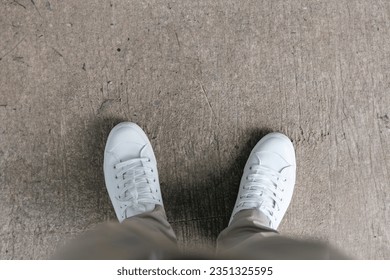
x=125, y=132
x=279, y=144
x=126, y=141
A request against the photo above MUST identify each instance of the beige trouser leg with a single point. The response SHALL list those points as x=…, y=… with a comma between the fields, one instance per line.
x=150, y=236
x=248, y=237
x=246, y=228
x=145, y=236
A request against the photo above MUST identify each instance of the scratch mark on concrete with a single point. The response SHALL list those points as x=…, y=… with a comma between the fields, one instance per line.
x=57, y=52
x=20, y=59
x=208, y=101
x=11, y=50
x=106, y=103
x=177, y=39
x=32, y=1
x=17, y=3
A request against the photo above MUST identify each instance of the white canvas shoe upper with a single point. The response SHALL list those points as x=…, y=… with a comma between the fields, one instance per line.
x=130, y=171
x=269, y=178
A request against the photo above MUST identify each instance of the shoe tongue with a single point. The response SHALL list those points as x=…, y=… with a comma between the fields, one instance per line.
x=271, y=160
x=141, y=208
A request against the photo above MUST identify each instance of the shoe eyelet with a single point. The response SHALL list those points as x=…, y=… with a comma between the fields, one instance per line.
x=151, y=170
x=154, y=180
x=250, y=167
x=117, y=187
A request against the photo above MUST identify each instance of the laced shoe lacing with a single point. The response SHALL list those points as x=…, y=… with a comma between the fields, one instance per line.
x=136, y=184
x=266, y=184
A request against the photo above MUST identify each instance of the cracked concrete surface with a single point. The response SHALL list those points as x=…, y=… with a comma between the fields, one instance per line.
x=205, y=79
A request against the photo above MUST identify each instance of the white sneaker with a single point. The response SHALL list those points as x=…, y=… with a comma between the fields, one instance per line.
x=130, y=171
x=269, y=178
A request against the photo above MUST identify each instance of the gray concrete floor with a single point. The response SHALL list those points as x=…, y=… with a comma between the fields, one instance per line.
x=205, y=79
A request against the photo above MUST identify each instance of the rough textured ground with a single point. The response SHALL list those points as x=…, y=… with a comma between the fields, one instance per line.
x=205, y=79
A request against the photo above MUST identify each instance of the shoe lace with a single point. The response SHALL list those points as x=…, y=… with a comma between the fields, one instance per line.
x=136, y=183
x=266, y=184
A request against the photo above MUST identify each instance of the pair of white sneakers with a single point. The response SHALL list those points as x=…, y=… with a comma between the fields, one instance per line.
x=130, y=171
